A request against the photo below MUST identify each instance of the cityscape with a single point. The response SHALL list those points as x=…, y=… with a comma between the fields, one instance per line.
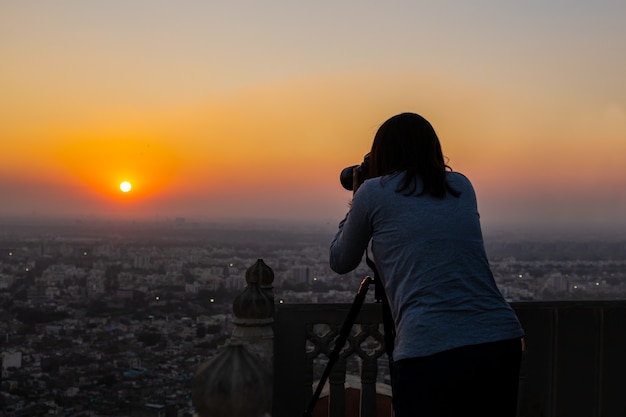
x=153, y=153
x=103, y=318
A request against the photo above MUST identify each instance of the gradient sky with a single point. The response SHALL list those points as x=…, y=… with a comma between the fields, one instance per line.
x=250, y=109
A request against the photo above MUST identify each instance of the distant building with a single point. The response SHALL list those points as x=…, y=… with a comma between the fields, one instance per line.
x=36, y=294
x=557, y=282
x=6, y=281
x=142, y=262
x=11, y=360
x=301, y=274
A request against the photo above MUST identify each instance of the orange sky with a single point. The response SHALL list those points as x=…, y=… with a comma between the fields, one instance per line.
x=243, y=121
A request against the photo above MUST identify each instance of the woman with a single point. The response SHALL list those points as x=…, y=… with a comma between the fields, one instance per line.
x=458, y=343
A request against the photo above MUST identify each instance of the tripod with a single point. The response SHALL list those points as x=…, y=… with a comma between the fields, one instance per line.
x=340, y=342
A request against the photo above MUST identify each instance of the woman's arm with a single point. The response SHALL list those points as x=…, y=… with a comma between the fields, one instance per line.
x=351, y=240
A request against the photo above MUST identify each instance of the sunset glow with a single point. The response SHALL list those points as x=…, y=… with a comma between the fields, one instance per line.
x=213, y=111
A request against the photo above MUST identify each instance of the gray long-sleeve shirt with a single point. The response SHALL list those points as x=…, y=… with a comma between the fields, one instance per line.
x=430, y=257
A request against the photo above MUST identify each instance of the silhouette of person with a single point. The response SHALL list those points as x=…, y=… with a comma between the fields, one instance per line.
x=458, y=343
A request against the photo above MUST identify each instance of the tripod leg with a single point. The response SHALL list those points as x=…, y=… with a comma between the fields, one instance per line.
x=340, y=341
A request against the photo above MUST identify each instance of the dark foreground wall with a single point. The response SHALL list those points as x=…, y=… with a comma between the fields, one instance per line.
x=574, y=364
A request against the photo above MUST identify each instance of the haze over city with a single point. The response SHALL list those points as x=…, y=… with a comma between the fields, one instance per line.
x=242, y=109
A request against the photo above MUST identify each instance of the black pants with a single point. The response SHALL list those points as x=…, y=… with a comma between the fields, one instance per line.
x=477, y=380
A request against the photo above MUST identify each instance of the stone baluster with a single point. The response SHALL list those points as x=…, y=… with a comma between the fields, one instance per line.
x=369, y=370
x=337, y=388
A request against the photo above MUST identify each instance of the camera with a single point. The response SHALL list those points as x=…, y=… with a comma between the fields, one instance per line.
x=362, y=171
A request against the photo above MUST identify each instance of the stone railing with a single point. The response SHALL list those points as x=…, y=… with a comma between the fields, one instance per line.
x=304, y=336
x=574, y=364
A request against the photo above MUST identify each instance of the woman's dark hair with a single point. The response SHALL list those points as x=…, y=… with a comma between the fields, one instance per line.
x=408, y=142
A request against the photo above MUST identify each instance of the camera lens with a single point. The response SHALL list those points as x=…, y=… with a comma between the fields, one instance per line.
x=346, y=177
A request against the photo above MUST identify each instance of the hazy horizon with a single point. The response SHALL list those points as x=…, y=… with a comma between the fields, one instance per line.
x=95, y=226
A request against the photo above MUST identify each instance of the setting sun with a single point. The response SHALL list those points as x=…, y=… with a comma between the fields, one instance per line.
x=125, y=186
